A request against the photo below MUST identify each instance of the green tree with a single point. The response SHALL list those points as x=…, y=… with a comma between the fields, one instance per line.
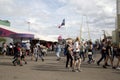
x=2, y=40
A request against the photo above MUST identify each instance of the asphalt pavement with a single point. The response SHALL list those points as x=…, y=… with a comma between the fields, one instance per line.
x=51, y=69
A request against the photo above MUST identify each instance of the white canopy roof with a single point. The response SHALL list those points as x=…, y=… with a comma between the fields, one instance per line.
x=46, y=38
x=36, y=36
x=14, y=29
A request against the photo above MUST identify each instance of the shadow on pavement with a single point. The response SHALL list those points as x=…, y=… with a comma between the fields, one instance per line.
x=85, y=65
x=60, y=66
x=117, y=72
x=51, y=67
x=6, y=64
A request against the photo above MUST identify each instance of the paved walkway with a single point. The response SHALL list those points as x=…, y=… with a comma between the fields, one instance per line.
x=51, y=69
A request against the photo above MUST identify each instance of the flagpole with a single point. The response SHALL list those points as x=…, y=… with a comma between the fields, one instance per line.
x=62, y=24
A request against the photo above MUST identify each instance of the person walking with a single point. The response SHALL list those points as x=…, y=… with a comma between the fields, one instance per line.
x=35, y=51
x=118, y=57
x=69, y=54
x=90, y=53
x=4, y=48
x=103, y=51
x=77, y=59
x=108, y=54
x=17, y=56
x=28, y=49
x=82, y=51
x=58, y=51
x=39, y=53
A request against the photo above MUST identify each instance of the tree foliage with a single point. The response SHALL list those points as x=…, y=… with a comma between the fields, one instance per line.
x=2, y=40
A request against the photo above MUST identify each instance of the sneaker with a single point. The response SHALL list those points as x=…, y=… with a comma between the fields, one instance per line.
x=113, y=67
x=118, y=68
x=73, y=70
x=79, y=70
x=69, y=69
x=14, y=63
x=98, y=63
x=89, y=62
x=58, y=59
x=36, y=60
x=42, y=60
x=104, y=66
x=25, y=62
x=21, y=65
x=107, y=65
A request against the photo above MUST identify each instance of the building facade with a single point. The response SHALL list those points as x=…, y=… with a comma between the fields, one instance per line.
x=117, y=30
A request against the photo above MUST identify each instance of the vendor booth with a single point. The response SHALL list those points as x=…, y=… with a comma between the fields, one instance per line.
x=15, y=34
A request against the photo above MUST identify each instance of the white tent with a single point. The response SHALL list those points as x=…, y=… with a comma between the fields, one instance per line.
x=36, y=36
x=14, y=29
x=46, y=38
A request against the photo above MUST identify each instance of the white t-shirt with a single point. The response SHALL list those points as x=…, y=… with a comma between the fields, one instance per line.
x=76, y=47
x=28, y=46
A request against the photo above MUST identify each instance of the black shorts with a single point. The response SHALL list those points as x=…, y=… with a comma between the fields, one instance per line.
x=76, y=56
x=22, y=56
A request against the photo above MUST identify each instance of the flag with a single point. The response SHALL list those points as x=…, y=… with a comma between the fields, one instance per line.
x=62, y=24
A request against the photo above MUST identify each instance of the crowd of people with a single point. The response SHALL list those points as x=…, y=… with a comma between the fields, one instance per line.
x=75, y=51
x=20, y=51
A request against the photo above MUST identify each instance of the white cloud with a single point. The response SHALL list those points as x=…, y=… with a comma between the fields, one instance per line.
x=46, y=15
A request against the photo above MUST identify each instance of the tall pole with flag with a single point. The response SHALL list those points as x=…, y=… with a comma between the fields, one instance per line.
x=62, y=24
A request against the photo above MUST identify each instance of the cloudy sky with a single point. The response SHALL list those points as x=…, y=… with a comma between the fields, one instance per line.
x=46, y=15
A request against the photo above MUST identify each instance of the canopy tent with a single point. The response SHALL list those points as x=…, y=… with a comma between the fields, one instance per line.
x=6, y=31
x=22, y=35
x=46, y=38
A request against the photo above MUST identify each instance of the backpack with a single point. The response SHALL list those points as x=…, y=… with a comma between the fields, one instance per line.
x=66, y=49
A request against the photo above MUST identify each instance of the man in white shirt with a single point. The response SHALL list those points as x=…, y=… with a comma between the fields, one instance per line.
x=28, y=48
